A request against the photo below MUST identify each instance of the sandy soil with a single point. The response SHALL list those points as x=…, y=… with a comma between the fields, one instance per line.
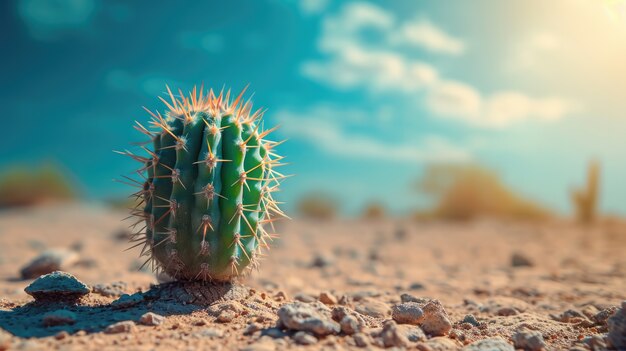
x=574, y=274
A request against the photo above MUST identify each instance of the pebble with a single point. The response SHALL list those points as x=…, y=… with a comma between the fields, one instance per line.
x=252, y=328
x=350, y=325
x=211, y=333
x=491, y=344
x=469, y=318
x=48, y=262
x=120, y=327
x=328, y=298
x=391, y=335
x=407, y=313
x=361, y=340
x=302, y=297
x=110, y=290
x=617, y=328
x=435, y=320
x=529, y=340
x=411, y=298
x=321, y=261
x=304, y=338
x=438, y=343
x=58, y=317
x=518, y=259
x=151, y=319
x=61, y=335
x=314, y=318
x=57, y=286
x=373, y=308
x=226, y=316
x=127, y=300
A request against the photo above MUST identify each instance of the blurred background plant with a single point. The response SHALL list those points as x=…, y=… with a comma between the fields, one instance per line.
x=318, y=206
x=586, y=199
x=28, y=186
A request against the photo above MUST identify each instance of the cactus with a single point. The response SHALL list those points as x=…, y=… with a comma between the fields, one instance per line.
x=207, y=187
x=586, y=200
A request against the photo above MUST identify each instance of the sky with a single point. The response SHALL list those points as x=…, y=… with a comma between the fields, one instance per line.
x=367, y=93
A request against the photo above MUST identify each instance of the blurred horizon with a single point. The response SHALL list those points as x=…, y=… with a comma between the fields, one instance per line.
x=369, y=94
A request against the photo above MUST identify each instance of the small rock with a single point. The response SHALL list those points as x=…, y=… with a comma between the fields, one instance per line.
x=569, y=316
x=407, y=313
x=391, y=336
x=411, y=298
x=320, y=261
x=413, y=333
x=302, y=297
x=507, y=311
x=59, y=336
x=469, y=318
x=211, y=333
x=251, y=328
x=151, y=319
x=435, y=321
x=603, y=316
x=120, y=327
x=360, y=339
x=57, y=286
x=520, y=260
x=373, y=308
x=59, y=317
x=110, y=290
x=226, y=316
x=438, y=343
x=417, y=286
x=350, y=325
x=491, y=344
x=314, y=318
x=48, y=262
x=617, y=328
x=328, y=298
x=529, y=340
x=274, y=333
x=126, y=300
x=304, y=338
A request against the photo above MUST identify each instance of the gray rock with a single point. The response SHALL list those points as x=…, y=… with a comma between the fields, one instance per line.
x=413, y=333
x=126, y=300
x=435, y=321
x=48, y=262
x=518, y=259
x=151, y=319
x=361, y=340
x=373, y=308
x=350, y=325
x=252, y=328
x=314, y=318
x=407, y=313
x=121, y=327
x=59, y=317
x=491, y=344
x=469, y=318
x=302, y=297
x=110, y=290
x=304, y=338
x=617, y=328
x=529, y=340
x=391, y=336
x=57, y=286
x=321, y=261
x=411, y=298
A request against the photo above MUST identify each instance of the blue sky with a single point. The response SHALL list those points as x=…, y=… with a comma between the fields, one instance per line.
x=367, y=93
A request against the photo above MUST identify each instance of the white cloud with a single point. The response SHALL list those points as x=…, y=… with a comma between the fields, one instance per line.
x=328, y=136
x=423, y=33
x=458, y=101
x=313, y=7
x=531, y=50
x=48, y=20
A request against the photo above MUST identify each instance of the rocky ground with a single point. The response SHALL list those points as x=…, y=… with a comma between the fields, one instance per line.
x=345, y=284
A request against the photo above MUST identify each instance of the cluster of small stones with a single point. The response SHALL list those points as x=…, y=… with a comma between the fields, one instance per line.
x=207, y=187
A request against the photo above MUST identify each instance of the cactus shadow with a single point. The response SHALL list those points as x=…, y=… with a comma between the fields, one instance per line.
x=26, y=321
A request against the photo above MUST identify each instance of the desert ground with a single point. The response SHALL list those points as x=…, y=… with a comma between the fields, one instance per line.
x=338, y=284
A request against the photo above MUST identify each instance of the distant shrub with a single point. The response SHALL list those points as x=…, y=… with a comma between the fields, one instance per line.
x=21, y=186
x=586, y=199
x=374, y=211
x=463, y=192
x=317, y=206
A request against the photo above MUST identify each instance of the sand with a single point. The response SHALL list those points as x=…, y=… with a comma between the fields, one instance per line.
x=551, y=284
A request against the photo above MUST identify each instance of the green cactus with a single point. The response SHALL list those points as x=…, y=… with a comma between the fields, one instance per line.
x=208, y=187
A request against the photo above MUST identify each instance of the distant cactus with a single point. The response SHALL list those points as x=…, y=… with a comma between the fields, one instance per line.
x=586, y=200
x=208, y=187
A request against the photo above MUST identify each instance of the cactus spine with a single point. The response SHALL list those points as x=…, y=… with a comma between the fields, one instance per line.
x=586, y=200
x=208, y=187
